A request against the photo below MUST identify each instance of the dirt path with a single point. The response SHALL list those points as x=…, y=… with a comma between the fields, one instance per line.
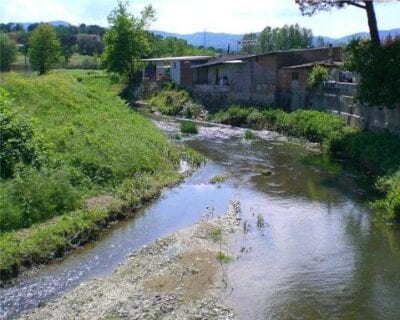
x=178, y=276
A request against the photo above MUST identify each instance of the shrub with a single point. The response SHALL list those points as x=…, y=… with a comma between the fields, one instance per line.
x=36, y=196
x=389, y=206
x=16, y=139
x=170, y=102
x=217, y=179
x=249, y=135
x=8, y=52
x=256, y=120
x=188, y=127
x=317, y=75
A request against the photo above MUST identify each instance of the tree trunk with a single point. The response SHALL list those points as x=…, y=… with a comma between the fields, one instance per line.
x=372, y=24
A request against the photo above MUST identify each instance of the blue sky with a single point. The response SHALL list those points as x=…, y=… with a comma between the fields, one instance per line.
x=187, y=16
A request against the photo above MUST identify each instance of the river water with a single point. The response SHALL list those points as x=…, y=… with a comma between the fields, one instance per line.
x=319, y=255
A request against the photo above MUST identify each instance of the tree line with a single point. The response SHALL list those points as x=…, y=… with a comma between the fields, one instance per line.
x=85, y=40
x=284, y=38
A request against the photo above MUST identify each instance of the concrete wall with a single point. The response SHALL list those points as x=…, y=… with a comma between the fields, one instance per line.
x=340, y=99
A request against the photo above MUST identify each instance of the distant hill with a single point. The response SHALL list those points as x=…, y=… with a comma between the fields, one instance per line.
x=222, y=40
x=53, y=23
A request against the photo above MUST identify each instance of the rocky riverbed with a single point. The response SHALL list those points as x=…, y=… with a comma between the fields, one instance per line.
x=179, y=276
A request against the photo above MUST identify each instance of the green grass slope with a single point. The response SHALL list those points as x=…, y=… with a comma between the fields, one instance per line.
x=67, y=137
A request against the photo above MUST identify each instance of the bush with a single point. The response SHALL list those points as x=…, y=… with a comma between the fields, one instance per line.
x=8, y=52
x=256, y=120
x=36, y=196
x=317, y=75
x=188, y=127
x=16, y=139
x=170, y=102
x=249, y=135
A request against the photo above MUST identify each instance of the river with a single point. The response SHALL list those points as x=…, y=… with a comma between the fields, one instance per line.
x=319, y=255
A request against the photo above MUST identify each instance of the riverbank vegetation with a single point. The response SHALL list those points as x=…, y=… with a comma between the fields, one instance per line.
x=74, y=157
x=375, y=153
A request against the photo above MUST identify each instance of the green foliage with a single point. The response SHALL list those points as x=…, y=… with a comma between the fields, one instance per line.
x=249, y=135
x=170, y=102
x=389, y=206
x=23, y=204
x=234, y=115
x=8, y=52
x=287, y=37
x=256, y=120
x=44, y=48
x=317, y=75
x=16, y=139
x=376, y=153
x=316, y=126
x=217, y=179
x=223, y=258
x=379, y=70
x=215, y=234
x=188, y=127
x=173, y=47
x=84, y=154
x=126, y=41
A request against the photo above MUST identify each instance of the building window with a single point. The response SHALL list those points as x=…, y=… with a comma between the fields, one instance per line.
x=295, y=76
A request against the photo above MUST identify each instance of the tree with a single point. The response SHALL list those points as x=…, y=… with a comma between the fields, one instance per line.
x=379, y=70
x=287, y=37
x=309, y=7
x=67, y=37
x=8, y=52
x=44, y=48
x=126, y=41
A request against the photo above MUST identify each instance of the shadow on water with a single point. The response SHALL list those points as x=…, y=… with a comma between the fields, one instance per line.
x=319, y=256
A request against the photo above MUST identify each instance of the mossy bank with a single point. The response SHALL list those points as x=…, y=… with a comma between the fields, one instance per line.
x=74, y=157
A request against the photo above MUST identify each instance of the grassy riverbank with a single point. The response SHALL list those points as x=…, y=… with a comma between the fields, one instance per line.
x=74, y=157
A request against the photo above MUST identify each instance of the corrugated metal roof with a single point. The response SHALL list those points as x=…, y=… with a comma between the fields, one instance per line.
x=183, y=58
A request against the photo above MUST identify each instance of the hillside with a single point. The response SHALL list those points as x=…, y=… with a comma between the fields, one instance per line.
x=73, y=155
x=222, y=40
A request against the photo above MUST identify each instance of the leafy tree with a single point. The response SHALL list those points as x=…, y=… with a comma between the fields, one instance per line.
x=287, y=37
x=126, y=41
x=8, y=52
x=379, y=70
x=33, y=26
x=44, y=48
x=309, y=7
x=249, y=48
x=89, y=44
x=67, y=38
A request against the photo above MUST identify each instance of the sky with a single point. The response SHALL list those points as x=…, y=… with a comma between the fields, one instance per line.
x=188, y=16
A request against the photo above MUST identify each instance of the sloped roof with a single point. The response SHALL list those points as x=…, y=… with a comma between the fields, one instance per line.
x=183, y=58
x=325, y=63
x=225, y=60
